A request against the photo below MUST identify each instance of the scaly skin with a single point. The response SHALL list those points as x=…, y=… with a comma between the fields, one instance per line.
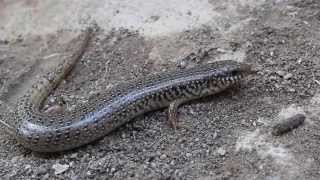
x=51, y=133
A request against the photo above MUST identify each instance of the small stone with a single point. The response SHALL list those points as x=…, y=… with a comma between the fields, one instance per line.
x=28, y=166
x=74, y=177
x=72, y=107
x=273, y=78
x=45, y=177
x=153, y=165
x=60, y=168
x=271, y=53
x=281, y=73
x=52, y=100
x=112, y=170
x=123, y=136
x=277, y=86
x=41, y=170
x=221, y=50
x=221, y=151
x=55, y=109
x=93, y=93
x=291, y=90
x=188, y=155
x=254, y=123
x=215, y=135
x=74, y=155
x=288, y=76
x=15, y=159
x=182, y=64
x=163, y=156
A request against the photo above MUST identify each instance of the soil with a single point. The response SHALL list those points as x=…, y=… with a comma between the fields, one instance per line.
x=226, y=136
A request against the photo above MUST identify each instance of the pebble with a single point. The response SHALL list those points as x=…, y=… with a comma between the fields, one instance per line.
x=182, y=64
x=254, y=123
x=172, y=163
x=188, y=155
x=163, y=156
x=273, y=78
x=15, y=159
x=54, y=109
x=60, y=168
x=74, y=155
x=153, y=165
x=281, y=73
x=45, y=177
x=221, y=50
x=271, y=53
x=89, y=173
x=28, y=166
x=42, y=170
x=52, y=100
x=288, y=76
x=215, y=135
x=291, y=90
x=112, y=170
x=221, y=151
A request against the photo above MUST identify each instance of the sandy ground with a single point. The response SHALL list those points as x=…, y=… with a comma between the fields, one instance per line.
x=222, y=137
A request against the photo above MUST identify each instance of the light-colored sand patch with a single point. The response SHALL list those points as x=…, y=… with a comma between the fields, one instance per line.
x=150, y=18
x=258, y=141
x=287, y=164
x=290, y=111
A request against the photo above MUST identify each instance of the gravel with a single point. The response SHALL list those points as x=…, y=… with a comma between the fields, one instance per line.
x=226, y=136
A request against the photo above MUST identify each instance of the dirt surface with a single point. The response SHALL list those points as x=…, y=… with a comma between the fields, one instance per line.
x=227, y=136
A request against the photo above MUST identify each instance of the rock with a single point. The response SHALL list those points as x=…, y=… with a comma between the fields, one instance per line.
x=153, y=165
x=45, y=177
x=74, y=155
x=188, y=155
x=288, y=76
x=60, y=168
x=55, y=109
x=273, y=78
x=254, y=124
x=215, y=135
x=163, y=156
x=182, y=64
x=291, y=90
x=112, y=170
x=281, y=73
x=277, y=86
x=221, y=151
x=41, y=170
